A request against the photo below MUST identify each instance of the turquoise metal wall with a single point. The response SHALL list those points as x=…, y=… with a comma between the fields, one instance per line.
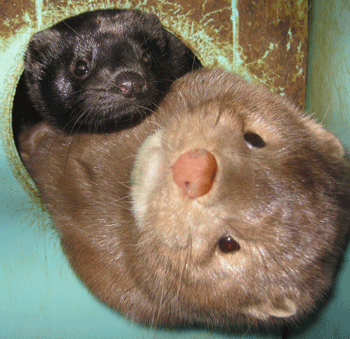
x=40, y=297
x=328, y=97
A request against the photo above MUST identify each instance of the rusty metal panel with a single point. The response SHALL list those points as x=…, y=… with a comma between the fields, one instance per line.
x=265, y=40
x=273, y=41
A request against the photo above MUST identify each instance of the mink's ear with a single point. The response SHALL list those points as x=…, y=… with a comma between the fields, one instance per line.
x=41, y=49
x=181, y=59
x=281, y=308
x=336, y=149
x=327, y=140
x=30, y=138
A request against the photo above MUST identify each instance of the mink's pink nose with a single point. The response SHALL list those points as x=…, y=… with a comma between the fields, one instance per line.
x=194, y=172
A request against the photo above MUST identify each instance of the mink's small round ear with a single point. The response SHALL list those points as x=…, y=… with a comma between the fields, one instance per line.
x=330, y=143
x=39, y=48
x=334, y=146
x=30, y=138
x=180, y=54
x=281, y=308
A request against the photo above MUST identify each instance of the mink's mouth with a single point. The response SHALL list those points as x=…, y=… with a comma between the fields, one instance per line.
x=103, y=111
x=112, y=122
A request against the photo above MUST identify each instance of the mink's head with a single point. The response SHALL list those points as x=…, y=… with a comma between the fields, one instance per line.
x=101, y=70
x=242, y=203
x=228, y=205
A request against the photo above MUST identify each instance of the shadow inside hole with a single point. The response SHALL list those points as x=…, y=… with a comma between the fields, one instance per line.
x=24, y=113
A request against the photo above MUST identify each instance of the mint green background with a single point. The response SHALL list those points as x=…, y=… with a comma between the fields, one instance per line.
x=40, y=297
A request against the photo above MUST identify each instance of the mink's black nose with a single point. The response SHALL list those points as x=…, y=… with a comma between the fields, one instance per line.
x=130, y=84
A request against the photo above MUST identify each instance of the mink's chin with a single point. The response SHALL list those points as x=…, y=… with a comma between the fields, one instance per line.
x=102, y=112
x=112, y=123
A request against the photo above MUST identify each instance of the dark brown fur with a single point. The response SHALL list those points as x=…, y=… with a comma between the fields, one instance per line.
x=153, y=253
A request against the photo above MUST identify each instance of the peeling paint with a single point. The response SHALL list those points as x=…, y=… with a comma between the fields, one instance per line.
x=236, y=59
x=283, y=24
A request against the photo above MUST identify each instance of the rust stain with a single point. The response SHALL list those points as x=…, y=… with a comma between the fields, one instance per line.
x=13, y=15
x=273, y=39
x=272, y=33
x=206, y=28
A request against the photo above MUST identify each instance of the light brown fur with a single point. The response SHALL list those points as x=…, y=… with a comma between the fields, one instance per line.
x=151, y=252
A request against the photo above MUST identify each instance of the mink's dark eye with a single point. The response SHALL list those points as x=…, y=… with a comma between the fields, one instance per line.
x=227, y=244
x=254, y=140
x=81, y=68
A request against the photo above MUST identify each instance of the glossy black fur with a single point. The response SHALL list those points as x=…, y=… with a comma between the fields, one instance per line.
x=132, y=60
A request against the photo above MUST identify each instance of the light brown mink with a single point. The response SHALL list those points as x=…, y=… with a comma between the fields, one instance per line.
x=226, y=206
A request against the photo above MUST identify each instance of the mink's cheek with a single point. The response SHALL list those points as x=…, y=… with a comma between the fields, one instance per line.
x=147, y=173
x=62, y=85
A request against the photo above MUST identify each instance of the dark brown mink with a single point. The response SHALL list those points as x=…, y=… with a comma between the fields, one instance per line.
x=227, y=206
x=99, y=71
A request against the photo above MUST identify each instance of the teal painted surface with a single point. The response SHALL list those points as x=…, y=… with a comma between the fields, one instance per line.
x=328, y=97
x=329, y=66
x=40, y=297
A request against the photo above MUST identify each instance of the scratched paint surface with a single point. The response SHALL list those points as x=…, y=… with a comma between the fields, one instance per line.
x=265, y=40
x=273, y=41
x=329, y=73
